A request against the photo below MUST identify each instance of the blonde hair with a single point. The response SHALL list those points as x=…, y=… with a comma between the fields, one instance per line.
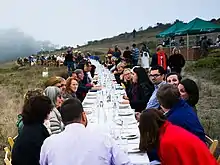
x=53, y=81
x=160, y=47
x=127, y=70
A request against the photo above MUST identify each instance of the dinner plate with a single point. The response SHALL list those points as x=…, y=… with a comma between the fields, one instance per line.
x=134, y=150
x=91, y=94
x=126, y=121
x=88, y=101
x=126, y=112
x=122, y=106
x=129, y=136
x=91, y=97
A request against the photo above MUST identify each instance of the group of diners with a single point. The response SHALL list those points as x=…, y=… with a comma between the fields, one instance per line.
x=53, y=125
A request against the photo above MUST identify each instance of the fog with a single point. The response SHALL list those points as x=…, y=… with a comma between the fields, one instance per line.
x=15, y=43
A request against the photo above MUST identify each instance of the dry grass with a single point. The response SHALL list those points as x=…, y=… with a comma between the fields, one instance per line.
x=13, y=85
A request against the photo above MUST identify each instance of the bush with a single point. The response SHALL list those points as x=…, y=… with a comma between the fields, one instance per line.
x=209, y=62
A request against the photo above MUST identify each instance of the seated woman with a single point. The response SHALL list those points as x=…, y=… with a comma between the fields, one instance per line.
x=174, y=144
x=29, y=94
x=189, y=91
x=56, y=81
x=56, y=124
x=118, y=72
x=141, y=90
x=173, y=78
x=28, y=144
x=127, y=81
x=71, y=88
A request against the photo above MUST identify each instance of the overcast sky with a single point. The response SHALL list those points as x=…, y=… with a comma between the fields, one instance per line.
x=71, y=22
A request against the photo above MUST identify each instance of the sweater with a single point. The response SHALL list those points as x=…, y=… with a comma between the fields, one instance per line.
x=180, y=147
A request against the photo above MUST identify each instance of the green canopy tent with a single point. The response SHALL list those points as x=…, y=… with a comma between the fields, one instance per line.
x=171, y=30
x=197, y=26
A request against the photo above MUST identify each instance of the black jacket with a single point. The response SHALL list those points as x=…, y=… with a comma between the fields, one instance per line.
x=143, y=94
x=26, y=150
x=176, y=62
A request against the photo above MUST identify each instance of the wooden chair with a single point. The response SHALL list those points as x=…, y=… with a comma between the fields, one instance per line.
x=218, y=160
x=7, y=158
x=213, y=144
x=11, y=141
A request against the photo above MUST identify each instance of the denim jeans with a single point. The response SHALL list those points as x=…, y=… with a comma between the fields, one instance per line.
x=70, y=67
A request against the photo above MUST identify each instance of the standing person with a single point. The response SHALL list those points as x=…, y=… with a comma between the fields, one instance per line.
x=176, y=61
x=78, y=145
x=69, y=60
x=127, y=55
x=135, y=54
x=117, y=54
x=145, y=57
x=160, y=58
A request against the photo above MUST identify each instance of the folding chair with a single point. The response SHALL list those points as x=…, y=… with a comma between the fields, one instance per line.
x=213, y=144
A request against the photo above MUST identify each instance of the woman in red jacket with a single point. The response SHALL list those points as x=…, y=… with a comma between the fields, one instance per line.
x=175, y=145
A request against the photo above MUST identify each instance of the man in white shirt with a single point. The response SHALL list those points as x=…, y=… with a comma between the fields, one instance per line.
x=77, y=145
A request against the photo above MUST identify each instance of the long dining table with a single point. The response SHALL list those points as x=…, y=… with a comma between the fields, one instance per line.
x=107, y=114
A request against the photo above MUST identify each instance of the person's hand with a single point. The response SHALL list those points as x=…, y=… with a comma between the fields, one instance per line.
x=121, y=77
x=115, y=72
x=137, y=116
x=97, y=88
x=125, y=97
x=125, y=102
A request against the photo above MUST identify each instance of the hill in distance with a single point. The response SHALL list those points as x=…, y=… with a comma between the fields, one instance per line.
x=125, y=39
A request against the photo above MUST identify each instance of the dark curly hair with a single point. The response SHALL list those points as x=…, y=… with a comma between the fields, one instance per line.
x=36, y=109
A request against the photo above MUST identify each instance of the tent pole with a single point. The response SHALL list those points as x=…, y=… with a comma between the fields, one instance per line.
x=187, y=47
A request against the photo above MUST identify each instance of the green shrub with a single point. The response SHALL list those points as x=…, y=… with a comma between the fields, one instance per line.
x=209, y=62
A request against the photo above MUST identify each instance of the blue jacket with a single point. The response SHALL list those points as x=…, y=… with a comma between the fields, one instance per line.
x=183, y=115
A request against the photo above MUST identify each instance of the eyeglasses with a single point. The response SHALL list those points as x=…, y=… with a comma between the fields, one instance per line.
x=154, y=75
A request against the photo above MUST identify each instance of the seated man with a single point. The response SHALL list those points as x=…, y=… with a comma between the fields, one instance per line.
x=77, y=145
x=178, y=112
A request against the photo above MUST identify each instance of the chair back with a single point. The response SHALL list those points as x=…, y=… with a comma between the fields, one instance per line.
x=7, y=158
x=213, y=144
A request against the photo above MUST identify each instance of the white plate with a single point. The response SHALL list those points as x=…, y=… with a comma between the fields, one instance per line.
x=129, y=136
x=134, y=150
x=122, y=106
x=126, y=112
x=126, y=121
x=91, y=97
x=88, y=101
x=91, y=94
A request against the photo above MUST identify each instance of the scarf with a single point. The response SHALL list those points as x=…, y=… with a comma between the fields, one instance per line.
x=161, y=60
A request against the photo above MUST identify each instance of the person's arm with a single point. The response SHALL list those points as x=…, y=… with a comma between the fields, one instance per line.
x=55, y=125
x=118, y=157
x=145, y=93
x=169, y=155
x=43, y=154
x=182, y=61
x=154, y=60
